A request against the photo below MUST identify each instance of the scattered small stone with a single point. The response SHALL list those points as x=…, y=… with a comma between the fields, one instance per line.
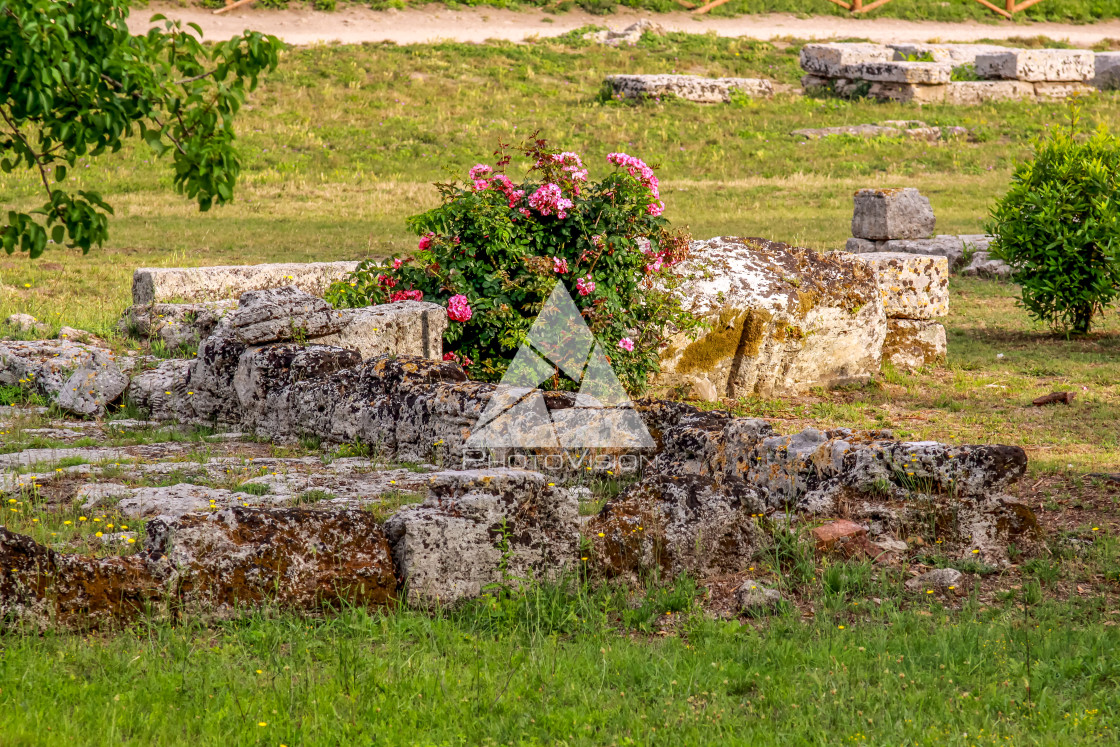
x=688, y=87
x=841, y=531
x=630, y=35
x=27, y=323
x=939, y=579
x=1054, y=398
x=892, y=545
x=755, y=599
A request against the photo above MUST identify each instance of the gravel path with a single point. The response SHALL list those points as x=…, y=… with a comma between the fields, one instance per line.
x=354, y=25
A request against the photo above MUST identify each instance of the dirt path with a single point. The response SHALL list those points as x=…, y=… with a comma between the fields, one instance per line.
x=353, y=25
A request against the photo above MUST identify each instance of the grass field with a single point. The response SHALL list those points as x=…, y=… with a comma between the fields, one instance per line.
x=341, y=144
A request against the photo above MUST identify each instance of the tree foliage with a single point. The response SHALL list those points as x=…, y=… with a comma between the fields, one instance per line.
x=75, y=83
x=1059, y=227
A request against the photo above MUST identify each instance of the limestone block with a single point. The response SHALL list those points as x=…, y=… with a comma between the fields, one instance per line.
x=912, y=344
x=955, y=54
x=984, y=265
x=978, y=242
x=882, y=214
x=974, y=92
x=1057, y=91
x=1106, y=67
x=861, y=246
x=281, y=314
x=948, y=246
x=401, y=328
x=913, y=286
x=1037, y=65
x=79, y=378
x=688, y=87
x=909, y=93
x=783, y=319
x=189, y=284
x=924, y=73
x=28, y=323
x=178, y=325
x=826, y=59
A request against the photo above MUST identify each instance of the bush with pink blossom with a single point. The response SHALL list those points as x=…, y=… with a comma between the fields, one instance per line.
x=493, y=250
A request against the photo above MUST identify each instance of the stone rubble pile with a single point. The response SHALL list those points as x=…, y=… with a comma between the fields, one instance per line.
x=885, y=71
x=687, y=87
x=628, y=36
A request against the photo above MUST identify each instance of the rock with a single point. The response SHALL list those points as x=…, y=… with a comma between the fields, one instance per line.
x=401, y=328
x=630, y=35
x=829, y=535
x=688, y=87
x=162, y=391
x=27, y=323
x=783, y=319
x=913, y=286
x=909, y=93
x=673, y=524
x=1037, y=65
x=977, y=242
x=828, y=59
x=982, y=264
x=178, y=325
x=955, y=54
x=862, y=246
x=975, y=92
x=280, y=315
x=506, y=527
x=173, y=500
x=882, y=214
x=754, y=599
x=100, y=493
x=912, y=344
x=1064, y=398
x=939, y=579
x=862, y=130
x=892, y=545
x=943, y=245
x=924, y=73
x=1106, y=71
x=41, y=588
x=210, y=378
x=296, y=558
x=1057, y=91
x=79, y=335
x=703, y=390
x=192, y=284
x=82, y=379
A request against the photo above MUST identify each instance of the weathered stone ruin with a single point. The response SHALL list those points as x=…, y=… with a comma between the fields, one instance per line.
x=628, y=36
x=913, y=129
x=152, y=285
x=890, y=72
x=687, y=87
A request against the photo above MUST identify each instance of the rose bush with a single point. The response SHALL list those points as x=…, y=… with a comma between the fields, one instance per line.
x=493, y=250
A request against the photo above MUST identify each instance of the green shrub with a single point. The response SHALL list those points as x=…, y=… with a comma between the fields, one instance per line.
x=1059, y=227
x=493, y=251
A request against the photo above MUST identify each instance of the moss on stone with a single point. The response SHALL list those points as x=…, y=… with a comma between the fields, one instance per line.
x=736, y=331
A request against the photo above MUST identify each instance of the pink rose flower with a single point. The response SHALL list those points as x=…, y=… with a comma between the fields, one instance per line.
x=585, y=286
x=458, y=308
x=450, y=357
x=559, y=265
x=386, y=281
x=626, y=344
x=397, y=262
x=425, y=241
x=408, y=295
x=479, y=171
x=548, y=200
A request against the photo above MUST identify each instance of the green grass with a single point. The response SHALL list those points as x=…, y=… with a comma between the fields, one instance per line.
x=575, y=669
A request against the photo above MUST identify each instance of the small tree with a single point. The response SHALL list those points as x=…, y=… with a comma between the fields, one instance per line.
x=74, y=82
x=1059, y=227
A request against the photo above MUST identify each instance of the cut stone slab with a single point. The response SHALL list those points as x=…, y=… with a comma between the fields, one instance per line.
x=943, y=245
x=914, y=131
x=862, y=246
x=1035, y=65
x=163, y=392
x=918, y=73
x=975, y=92
x=827, y=59
x=190, y=284
x=401, y=328
x=1106, y=71
x=956, y=55
x=175, y=500
x=912, y=344
x=688, y=87
x=178, y=325
x=282, y=314
x=82, y=379
x=984, y=265
x=783, y=319
x=913, y=286
x=882, y=214
x=1057, y=91
x=909, y=93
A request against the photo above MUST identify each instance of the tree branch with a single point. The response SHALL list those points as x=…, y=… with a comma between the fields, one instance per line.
x=35, y=158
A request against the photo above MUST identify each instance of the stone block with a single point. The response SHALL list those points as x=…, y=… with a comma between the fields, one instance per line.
x=783, y=319
x=912, y=344
x=1055, y=91
x=178, y=325
x=913, y=286
x=909, y=93
x=948, y=246
x=984, y=265
x=974, y=92
x=688, y=87
x=882, y=214
x=826, y=59
x=861, y=246
x=923, y=73
x=1106, y=71
x=82, y=379
x=955, y=54
x=282, y=314
x=190, y=284
x=978, y=242
x=401, y=328
x=1036, y=65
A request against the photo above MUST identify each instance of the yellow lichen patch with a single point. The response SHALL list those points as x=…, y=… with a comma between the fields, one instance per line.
x=806, y=301
x=735, y=331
